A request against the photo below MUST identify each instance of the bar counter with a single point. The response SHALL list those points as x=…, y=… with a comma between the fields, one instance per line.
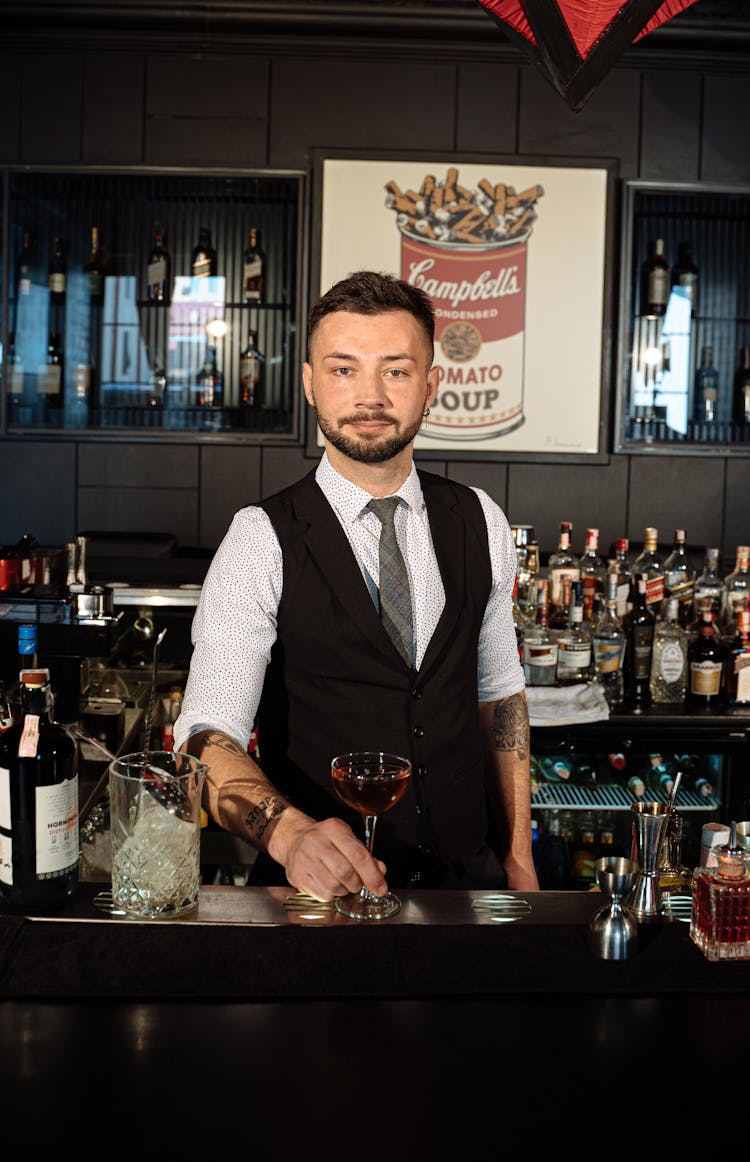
x=470, y=1020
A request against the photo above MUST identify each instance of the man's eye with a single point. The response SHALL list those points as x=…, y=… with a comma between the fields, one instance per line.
x=396, y=372
x=342, y=371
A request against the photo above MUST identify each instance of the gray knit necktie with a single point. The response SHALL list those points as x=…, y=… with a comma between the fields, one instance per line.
x=395, y=598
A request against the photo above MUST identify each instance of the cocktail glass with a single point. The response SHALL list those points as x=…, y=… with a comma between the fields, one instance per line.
x=371, y=782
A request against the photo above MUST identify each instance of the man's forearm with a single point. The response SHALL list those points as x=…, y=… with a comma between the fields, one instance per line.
x=507, y=736
x=237, y=794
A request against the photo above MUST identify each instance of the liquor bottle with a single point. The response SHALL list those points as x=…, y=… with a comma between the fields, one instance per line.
x=583, y=855
x=210, y=382
x=39, y=787
x=560, y=617
x=636, y=784
x=24, y=267
x=708, y=591
x=669, y=660
x=685, y=274
x=736, y=588
x=539, y=648
x=655, y=281
x=562, y=563
x=650, y=566
x=254, y=270
x=741, y=389
x=553, y=854
x=608, y=647
x=574, y=645
x=203, y=260
x=638, y=626
x=738, y=662
x=706, y=389
x=94, y=268
x=557, y=768
x=252, y=373
x=27, y=660
x=15, y=381
x=50, y=380
x=679, y=578
x=660, y=775
x=619, y=566
x=593, y=571
x=706, y=657
x=720, y=913
x=57, y=275
x=519, y=621
x=159, y=270
x=528, y=581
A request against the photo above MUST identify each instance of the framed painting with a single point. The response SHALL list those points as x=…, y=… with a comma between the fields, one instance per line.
x=516, y=257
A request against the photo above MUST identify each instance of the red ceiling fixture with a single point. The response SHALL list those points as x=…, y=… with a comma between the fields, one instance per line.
x=575, y=42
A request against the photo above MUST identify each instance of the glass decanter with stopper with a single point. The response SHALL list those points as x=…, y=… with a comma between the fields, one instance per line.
x=720, y=914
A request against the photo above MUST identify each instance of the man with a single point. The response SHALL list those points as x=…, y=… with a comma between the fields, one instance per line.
x=288, y=627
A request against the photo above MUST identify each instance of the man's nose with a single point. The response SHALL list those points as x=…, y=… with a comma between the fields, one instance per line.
x=373, y=391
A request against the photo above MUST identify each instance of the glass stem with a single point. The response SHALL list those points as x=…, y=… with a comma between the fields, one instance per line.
x=370, y=821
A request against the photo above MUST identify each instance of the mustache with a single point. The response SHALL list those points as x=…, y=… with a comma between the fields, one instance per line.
x=365, y=417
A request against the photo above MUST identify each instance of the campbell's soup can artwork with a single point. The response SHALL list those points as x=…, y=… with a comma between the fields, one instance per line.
x=467, y=249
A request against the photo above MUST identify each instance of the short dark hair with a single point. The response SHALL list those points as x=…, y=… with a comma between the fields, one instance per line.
x=365, y=292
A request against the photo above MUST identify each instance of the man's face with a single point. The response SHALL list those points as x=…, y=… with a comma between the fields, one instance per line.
x=369, y=380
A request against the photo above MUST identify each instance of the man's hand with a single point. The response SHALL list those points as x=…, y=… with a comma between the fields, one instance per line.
x=324, y=859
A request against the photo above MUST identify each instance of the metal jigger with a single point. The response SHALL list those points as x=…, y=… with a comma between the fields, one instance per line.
x=614, y=931
x=650, y=822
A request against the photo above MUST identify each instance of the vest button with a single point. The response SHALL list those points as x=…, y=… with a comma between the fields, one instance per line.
x=418, y=732
x=416, y=692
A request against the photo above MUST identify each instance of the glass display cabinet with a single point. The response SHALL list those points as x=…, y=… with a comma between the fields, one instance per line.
x=145, y=301
x=683, y=358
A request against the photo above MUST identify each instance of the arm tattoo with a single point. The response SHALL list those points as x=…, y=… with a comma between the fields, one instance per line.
x=264, y=814
x=221, y=741
x=510, y=727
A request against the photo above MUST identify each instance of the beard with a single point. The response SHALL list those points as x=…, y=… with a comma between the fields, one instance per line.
x=367, y=449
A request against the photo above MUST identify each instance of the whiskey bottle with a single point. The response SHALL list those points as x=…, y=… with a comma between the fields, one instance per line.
x=593, y=571
x=706, y=657
x=738, y=662
x=669, y=661
x=685, y=275
x=539, y=648
x=736, y=589
x=39, y=787
x=679, y=578
x=203, y=262
x=638, y=626
x=648, y=563
x=655, y=281
x=254, y=269
x=94, y=269
x=210, y=381
x=741, y=389
x=57, y=275
x=159, y=270
x=562, y=563
x=609, y=647
x=574, y=645
x=252, y=373
x=706, y=389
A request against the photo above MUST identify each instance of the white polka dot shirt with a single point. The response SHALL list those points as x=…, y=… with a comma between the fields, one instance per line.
x=234, y=626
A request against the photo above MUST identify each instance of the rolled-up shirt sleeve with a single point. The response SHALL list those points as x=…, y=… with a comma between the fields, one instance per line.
x=499, y=669
x=234, y=629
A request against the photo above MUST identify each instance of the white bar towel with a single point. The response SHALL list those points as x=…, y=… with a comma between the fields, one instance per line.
x=559, y=705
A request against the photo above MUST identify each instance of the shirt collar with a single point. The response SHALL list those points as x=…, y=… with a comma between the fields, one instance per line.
x=350, y=500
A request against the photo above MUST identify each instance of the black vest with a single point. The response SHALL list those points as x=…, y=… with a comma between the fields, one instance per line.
x=336, y=683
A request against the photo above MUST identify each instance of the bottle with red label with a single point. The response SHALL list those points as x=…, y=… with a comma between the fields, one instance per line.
x=38, y=804
x=562, y=563
x=649, y=564
x=738, y=662
x=593, y=571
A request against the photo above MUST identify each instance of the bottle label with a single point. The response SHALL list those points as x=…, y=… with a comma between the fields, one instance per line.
x=658, y=286
x=157, y=272
x=705, y=677
x=736, y=601
x=29, y=743
x=253, y=269
x=624, y=604
x=540, y=653
x=742, y=671
x=5, y=798
x=556, y=579
x=572, y=657
x=249, y=371
x=643, y=640
x=202, y=267
x=608, y=655
x=591, y=586
x=56, y=283
x=672, y=662
x=56, y=828
x=654, y=590
x=49, y=379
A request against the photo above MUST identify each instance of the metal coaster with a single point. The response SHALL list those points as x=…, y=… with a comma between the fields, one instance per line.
x=502, y=908
x=308, y=908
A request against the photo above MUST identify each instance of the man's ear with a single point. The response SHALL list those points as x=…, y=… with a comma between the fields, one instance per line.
x=307, y=383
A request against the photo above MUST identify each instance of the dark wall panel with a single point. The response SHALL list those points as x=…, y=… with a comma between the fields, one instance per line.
x=52, y=104
x=282, y=466
x=113, y=107
x=736, y=511
x=670, y=116
x=206, y=110
x=10, y=105
x=725, y=145
x=492, y=478
x=230, y=480
x=669, y=492
x=487, y=108
x=606, y=126
x=590, y=496
x=38, y=492
x=125, y=465
x=102, y=508
x=360, y=104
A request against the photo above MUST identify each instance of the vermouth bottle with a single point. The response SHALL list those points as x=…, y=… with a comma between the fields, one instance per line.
x=655, y=281
x=639, y=640
x=650, y=566
x=706, y=664
x=38, y=804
